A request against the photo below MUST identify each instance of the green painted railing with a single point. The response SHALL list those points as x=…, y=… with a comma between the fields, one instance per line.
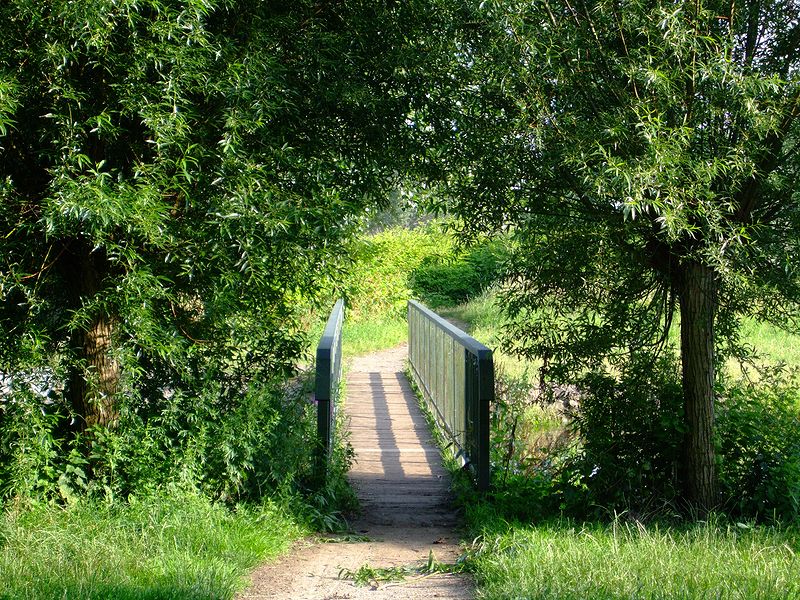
x=328, y=376
x=456, y=375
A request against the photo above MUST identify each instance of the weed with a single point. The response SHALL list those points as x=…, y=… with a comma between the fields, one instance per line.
x=366, y=575
x=347, y=538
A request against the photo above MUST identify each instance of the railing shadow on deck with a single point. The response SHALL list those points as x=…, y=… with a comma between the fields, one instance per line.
x=400, y=432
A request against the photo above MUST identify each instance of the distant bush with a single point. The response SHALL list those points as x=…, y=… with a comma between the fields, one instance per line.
x=378, y=282
x=394, y=265
x=459, y=277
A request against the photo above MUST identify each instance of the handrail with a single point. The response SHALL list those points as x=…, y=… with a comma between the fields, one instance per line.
x=456, y=375
x=326, y=389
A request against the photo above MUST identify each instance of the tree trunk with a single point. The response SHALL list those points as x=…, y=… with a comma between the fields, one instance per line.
x=94, y=383
x=94, y=380
x=698, y=301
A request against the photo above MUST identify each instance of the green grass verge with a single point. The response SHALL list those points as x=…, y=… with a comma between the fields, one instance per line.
x=177, y=548
x=370, y=335
x=627, y=560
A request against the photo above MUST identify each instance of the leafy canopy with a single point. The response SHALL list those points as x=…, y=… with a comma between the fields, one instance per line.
x=619, y=144
x=177, y=181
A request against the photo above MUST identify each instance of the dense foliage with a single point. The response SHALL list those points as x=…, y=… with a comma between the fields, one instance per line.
x=645, y=160
x=426, y=263
x=177, y=181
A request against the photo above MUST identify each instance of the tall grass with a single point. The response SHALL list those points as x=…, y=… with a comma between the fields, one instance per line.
x=371, y=335
x=564, y=560
x=178, y=548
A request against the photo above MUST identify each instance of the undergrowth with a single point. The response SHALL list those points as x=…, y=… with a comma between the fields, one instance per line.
x=565, y=457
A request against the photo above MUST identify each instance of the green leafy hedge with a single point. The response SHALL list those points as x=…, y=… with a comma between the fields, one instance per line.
x=425, y=263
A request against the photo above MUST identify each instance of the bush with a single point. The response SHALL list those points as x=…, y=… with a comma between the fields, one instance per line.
x=228, y=447
x=626, y=443
x=629, y=429
x=378, y=283
x=758, y=438
x=397, y=264
x=456, y=279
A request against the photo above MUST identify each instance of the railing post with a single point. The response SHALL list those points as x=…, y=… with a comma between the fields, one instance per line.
x=326, y=388
x=485, y=398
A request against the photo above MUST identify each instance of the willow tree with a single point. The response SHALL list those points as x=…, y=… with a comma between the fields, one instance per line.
x=645, y=157
x=176, y=181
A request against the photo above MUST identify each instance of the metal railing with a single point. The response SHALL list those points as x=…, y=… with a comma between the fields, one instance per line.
x=456, y=375
x=328, y=375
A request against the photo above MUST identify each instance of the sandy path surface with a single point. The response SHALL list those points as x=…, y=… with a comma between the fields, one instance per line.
x=404, y=495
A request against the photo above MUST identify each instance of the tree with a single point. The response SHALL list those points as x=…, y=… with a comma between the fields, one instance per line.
x=177, y=180
x=645, y=157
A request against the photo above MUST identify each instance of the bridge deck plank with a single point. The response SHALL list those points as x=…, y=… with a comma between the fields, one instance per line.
x=397, y=472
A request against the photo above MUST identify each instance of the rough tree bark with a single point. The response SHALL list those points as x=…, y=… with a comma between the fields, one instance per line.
x=93, y=383
x=698, y=305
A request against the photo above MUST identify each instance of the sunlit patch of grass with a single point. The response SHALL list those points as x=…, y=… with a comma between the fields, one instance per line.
x=178, y=548
x=565, y=560
x=771, y=344
x=363, y=337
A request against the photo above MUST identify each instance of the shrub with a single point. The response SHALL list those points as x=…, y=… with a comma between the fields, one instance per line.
x=758, y=438
x=390, y=267
x=455, y=279
x=629, y=427
x=626, y=444
x=229, y=447
x=378, y=281
x=617, y=451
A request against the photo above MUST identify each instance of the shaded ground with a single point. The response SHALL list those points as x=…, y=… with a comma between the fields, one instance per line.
x=404, y=495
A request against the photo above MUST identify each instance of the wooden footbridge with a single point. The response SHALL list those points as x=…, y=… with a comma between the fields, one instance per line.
x=398, y=471
x=398, y=474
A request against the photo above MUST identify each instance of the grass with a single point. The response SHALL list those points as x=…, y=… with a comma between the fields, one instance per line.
x=565, y=560
x=369, y=335
x=177, y=548
x=772, y=345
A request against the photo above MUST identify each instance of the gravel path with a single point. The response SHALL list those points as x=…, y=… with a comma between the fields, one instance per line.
x=404, y=495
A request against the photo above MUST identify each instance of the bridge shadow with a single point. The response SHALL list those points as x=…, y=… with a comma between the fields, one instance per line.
x=398, y=473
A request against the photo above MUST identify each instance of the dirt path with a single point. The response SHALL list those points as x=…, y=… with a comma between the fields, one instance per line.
x=404, y=494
